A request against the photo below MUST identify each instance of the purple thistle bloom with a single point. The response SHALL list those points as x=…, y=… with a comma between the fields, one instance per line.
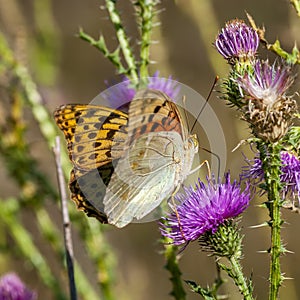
x=265, y=105
x=267, y=83
x=204, y=209
x=237, y=41
x=253, y=171
x=166, y=85
x=122, y=93
x=289, y=177
x=12, y=288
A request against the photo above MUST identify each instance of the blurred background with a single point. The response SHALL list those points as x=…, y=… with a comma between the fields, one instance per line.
x=42, y=36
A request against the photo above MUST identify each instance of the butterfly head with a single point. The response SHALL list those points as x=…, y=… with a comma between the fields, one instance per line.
x=192, y=143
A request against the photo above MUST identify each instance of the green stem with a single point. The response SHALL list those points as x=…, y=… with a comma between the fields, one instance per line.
x=170, y=253
x=146, y=15
x=271, y=162
x=239, y=279
x=123, y=41
x=292, y=58
x=113, y=57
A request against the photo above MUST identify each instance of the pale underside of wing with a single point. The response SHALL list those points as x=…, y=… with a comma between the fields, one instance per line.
x=91, y=131
x=143, y=178
x=146, y=173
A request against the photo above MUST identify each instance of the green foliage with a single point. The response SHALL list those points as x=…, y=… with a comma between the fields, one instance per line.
x=35, y=188
x=206, y=293
x=291, y=58
x=292, y=140
x=231, y=93
x=135, y=68
x=170, y=253
x=100, y=44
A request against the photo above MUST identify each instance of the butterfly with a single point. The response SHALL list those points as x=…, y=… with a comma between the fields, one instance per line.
x=126, y=163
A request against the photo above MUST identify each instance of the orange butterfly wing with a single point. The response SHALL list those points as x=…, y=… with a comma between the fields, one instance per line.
x=90, y=132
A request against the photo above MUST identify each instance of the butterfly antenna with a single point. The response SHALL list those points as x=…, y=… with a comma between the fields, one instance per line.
x=207, y=98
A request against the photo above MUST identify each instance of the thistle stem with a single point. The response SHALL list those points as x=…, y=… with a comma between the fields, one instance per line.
x=171, y=257
x=146, y=17
x=271, y=162
x=123, y=40
x=237, y=274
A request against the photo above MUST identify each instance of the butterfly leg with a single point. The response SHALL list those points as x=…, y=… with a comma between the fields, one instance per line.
x=205, y=162
x=176, y=212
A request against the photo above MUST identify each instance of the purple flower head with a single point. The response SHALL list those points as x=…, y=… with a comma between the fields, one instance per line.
x=204, y=209
x=237, y=41
x=166, y=85
x=265, y=104
x=119, y=94
x=12, y=288
x=267, y=83
x=289, y=177
x=122, y=93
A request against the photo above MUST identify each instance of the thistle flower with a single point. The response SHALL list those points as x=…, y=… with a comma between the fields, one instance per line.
x=122, y=93
x=266, y=106
x=237, y=42
x=12, y=288
x=203, y=209
x=119, y=94
x=166, y=85
x=253, y=171
x=289, y=177
x=268, y=83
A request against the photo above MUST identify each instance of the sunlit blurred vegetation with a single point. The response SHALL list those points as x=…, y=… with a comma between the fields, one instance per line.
x=44, y=64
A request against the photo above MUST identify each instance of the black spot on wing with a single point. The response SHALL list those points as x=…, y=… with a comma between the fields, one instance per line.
x=92, y=135
x=154, y=126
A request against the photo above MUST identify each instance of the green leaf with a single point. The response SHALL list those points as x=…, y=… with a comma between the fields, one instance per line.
x=205, y=293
